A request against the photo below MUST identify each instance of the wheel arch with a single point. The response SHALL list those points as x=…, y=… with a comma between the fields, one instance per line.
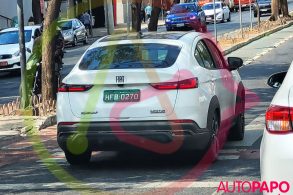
x=214, y=106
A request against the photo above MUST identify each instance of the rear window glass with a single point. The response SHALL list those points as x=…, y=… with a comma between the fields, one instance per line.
x=130, y=56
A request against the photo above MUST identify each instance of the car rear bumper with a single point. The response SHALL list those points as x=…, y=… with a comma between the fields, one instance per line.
x=182, y=24
x=119, y=135
x=276, y=158
x=10, y=67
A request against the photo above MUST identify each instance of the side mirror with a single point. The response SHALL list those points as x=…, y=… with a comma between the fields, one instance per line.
x=234, y=63
x=276, y=80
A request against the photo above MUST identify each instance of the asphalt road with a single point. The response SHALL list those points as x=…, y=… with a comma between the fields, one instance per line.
x=137, y=172
x=9, y=84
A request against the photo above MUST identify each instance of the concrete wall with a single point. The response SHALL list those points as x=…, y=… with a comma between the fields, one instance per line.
x=8, y=9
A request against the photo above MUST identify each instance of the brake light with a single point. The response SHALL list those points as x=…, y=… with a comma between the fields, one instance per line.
x=279, y=119
x=184, y=84
x=73, y=88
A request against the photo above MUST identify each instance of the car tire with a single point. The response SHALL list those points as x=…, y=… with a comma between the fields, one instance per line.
x=237, y=130
x=213, y=126
x=85, y=42
x=74, y=43
x=255, y=15
x=80, y=159
x=229, y=18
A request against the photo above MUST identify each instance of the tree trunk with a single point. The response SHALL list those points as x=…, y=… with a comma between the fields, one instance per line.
x=258, y=14
x=48, y=49
x=153, y=25
x=275, y=10
x=71, y=9
x=37, y=12
x=136, y=16
x=284, y=8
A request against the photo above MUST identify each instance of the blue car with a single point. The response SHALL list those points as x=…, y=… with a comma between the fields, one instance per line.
x=186, y=15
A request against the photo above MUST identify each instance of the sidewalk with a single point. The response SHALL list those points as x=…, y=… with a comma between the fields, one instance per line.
x=258, y=48
x=120, y=28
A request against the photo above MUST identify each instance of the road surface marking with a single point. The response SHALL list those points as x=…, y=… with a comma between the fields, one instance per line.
x=9, y=97
x=9, y=132
x=253, y=131
x=228, y=157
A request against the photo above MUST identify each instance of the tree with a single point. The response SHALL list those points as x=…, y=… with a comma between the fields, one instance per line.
x=136, y=16
x=275, y=10
x=37, y=12
x=284, y=8
x=157, y=7
x=48, y=49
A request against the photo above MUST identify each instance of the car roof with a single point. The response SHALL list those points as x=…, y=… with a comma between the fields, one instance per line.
x=147, y=35
x=25, y=28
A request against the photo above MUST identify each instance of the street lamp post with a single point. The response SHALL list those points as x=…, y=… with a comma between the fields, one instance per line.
x=240, y=18
x=215, y=21
x=250, y=10
x=127, y=16
x=22, y=52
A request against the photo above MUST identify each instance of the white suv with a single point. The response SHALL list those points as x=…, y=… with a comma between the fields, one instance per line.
x=157, y=91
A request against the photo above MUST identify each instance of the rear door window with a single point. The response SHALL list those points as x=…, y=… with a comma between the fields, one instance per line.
x=130, y=56
x=206, y=58
x=216, y=54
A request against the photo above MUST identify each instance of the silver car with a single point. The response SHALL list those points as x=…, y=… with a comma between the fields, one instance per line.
x=73, y=31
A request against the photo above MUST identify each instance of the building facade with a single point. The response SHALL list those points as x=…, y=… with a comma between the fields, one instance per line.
x=8, y=12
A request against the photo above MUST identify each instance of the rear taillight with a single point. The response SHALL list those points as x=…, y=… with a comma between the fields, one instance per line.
x=184, y=84
x=279, y=119
x=73, y=88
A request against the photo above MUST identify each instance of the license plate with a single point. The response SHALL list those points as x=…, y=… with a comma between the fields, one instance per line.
x=3, y=63
x=263, y=10
x=209, y=18
x=180, y=25
x=132, y=95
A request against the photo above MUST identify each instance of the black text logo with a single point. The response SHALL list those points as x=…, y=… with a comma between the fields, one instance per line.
x=119, y=79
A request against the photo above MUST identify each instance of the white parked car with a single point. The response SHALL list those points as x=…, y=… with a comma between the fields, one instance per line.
x=276, y=156
x=222, y=12
x=149, y=91
x=9, y=47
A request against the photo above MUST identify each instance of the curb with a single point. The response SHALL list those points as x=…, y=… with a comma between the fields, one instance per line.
x=242, y=44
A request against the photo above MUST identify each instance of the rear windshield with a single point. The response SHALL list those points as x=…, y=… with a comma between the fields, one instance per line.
x=130, y=56
x=211, y=6
x=183, y=8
